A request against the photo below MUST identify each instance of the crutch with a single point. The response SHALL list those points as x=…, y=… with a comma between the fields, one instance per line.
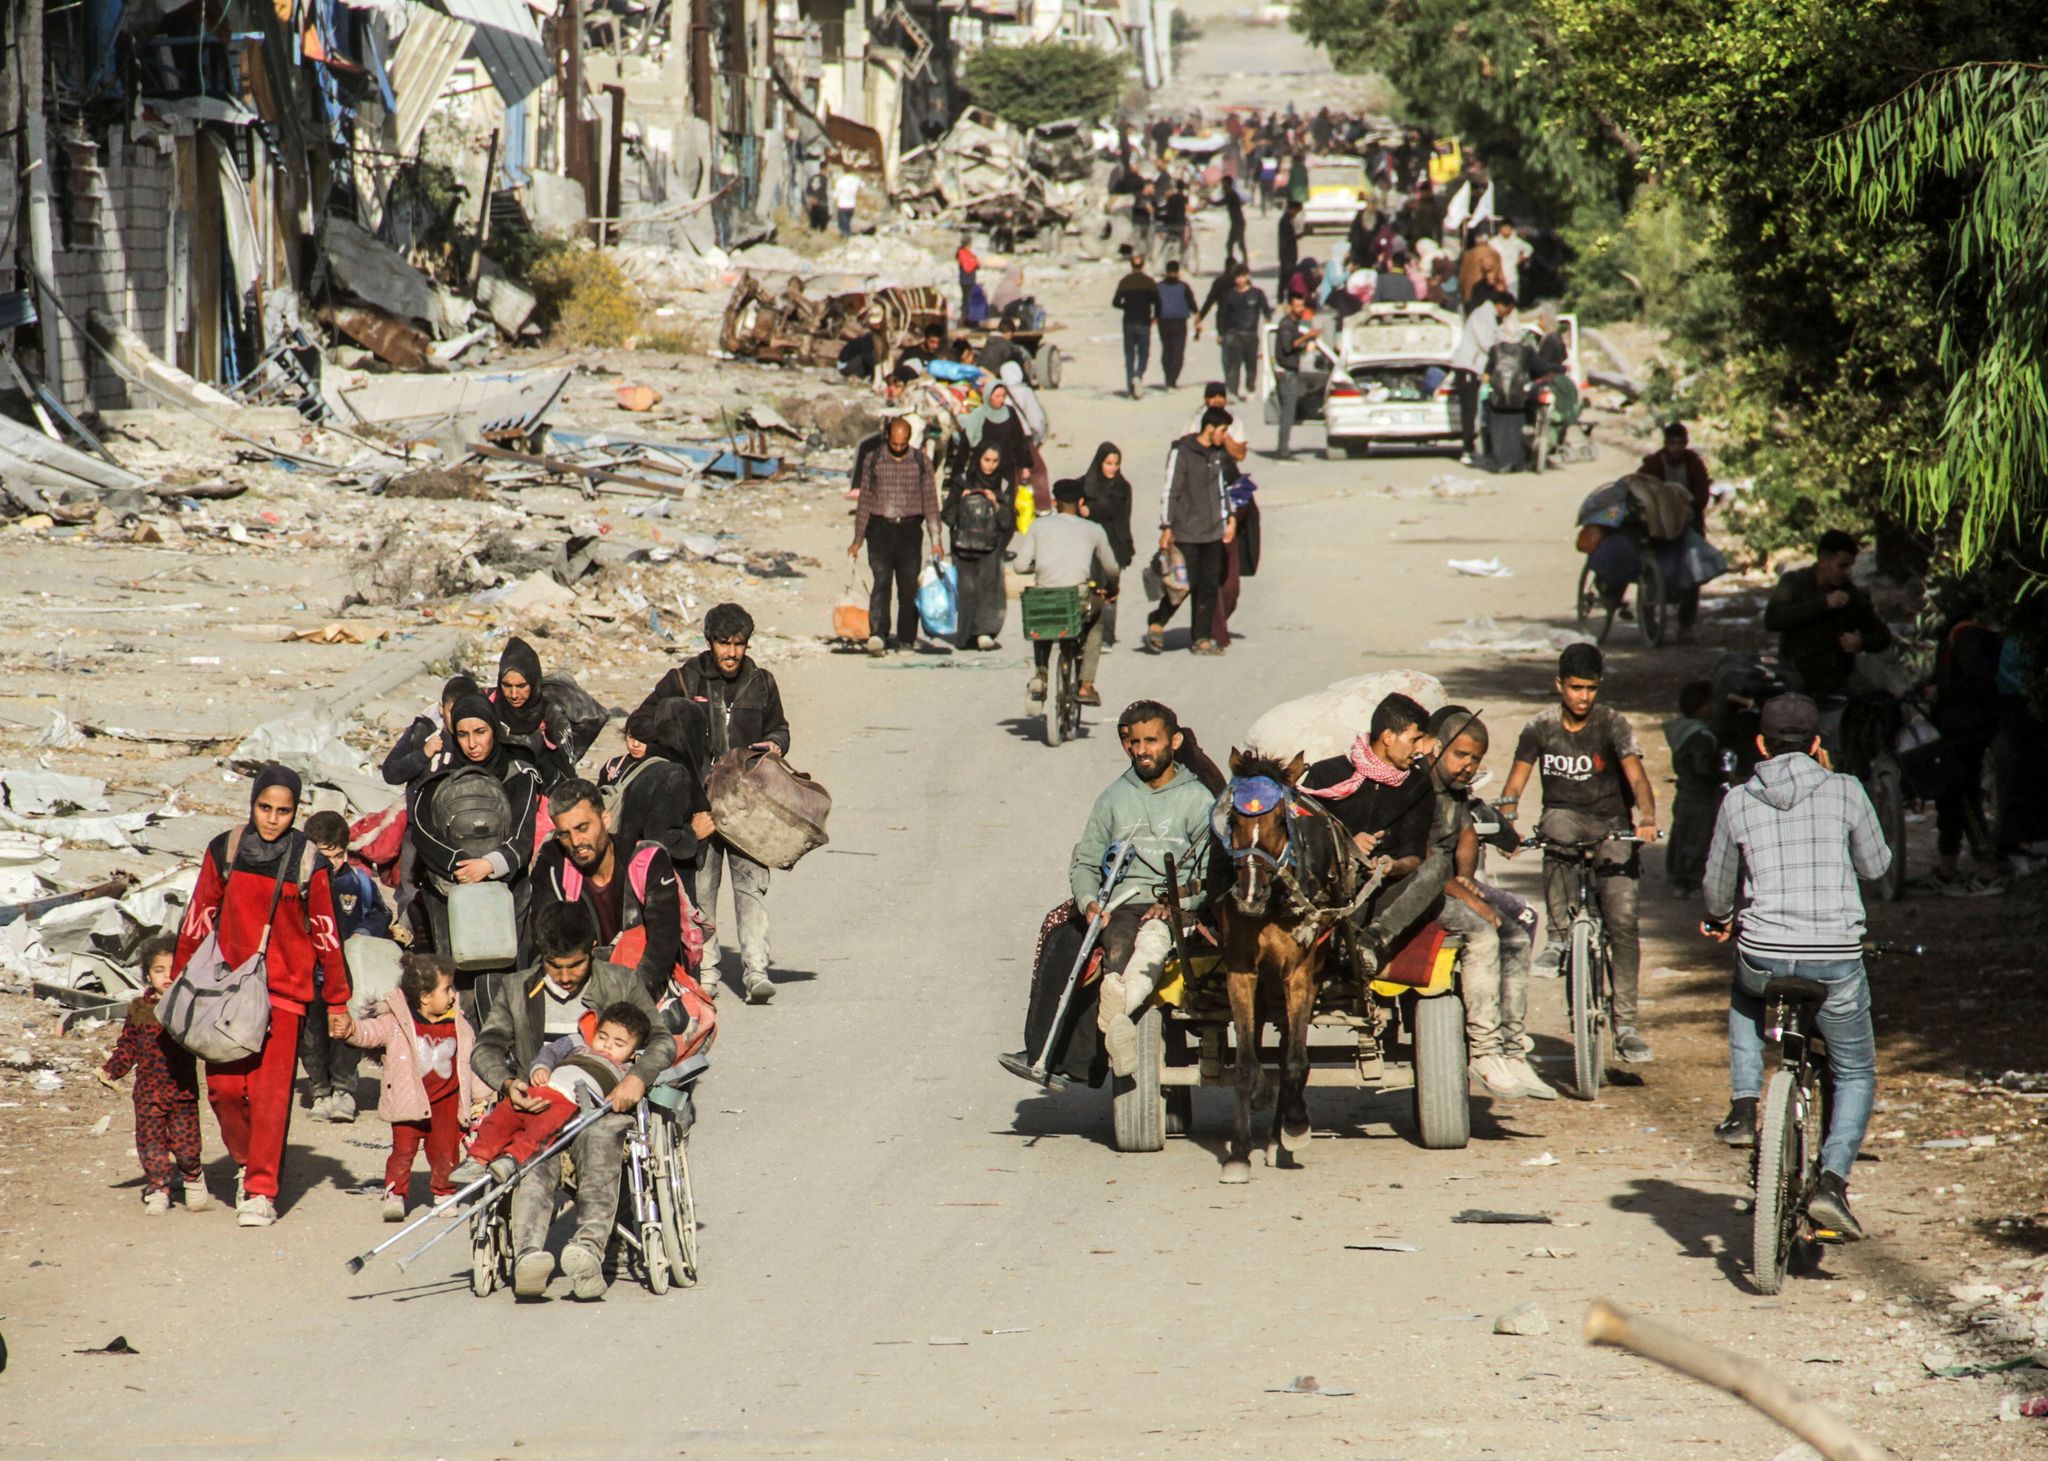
x=453, y=1199
x=567, y=1134
x=1096, y=924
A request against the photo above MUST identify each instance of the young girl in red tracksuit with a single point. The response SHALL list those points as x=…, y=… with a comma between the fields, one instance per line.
x=240, y=875
x=166, y=1090
x=429, y=1093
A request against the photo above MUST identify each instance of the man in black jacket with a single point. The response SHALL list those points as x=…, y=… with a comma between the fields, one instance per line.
x=1241, y=307
x=743, y=710
x=1137, y=295
x=620, y=886
x=1823, y=620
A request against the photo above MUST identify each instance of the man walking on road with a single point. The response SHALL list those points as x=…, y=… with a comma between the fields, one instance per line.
x=1290, y=362
x=1232, y=198
x=1803, y=835
x=1241, y=308
x=1195, y=517
x=742, y=709
x=1592, y=776
x=1290, y=242
x=1176, y=308
x=1138, y=297
x=898, y=508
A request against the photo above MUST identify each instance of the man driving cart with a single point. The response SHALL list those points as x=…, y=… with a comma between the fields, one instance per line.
x=1159, y=808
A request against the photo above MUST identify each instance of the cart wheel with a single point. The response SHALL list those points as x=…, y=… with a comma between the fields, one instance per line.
x=1049, y=366
x=1137, y=1109
x=1443, y=1110
x=678, y=1252
x=1653, y=610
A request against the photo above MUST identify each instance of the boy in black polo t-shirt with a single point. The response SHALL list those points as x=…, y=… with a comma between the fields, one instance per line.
x=1593, y=786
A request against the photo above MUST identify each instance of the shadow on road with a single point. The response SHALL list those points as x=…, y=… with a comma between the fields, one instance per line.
x=1704, y=1224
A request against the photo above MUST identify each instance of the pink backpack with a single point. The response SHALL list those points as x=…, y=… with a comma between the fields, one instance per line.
x=636, y=879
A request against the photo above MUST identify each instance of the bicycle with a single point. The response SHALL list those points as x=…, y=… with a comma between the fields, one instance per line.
x=1589, y=999
x=1058, y=616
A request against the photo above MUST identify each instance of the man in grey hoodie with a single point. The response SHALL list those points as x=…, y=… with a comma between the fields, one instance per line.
x=1195, y=516
x=1804, y=835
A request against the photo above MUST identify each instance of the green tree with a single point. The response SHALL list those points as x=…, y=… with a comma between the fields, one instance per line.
x=1985, y=127
x=1045, y=82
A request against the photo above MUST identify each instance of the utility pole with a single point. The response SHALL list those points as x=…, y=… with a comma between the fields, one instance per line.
x=33, y=179
x=700, y=62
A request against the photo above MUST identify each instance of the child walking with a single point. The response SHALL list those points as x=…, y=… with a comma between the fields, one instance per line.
x=428, y=1092
x=166, y=1089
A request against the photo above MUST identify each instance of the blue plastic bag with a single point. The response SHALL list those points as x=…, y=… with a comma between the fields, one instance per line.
x=938, y=598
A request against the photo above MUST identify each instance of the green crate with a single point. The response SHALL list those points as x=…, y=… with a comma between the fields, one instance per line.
x=1052, y=613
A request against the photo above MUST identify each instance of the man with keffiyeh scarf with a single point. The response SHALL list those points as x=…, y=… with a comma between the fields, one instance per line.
x=1383, y=796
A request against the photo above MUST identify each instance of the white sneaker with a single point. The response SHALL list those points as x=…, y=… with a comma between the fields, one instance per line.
x=256, y=1211
x=394, y=1206
x=1499, y=1078
x=1119, y=1035
x=197, y=1198
x=155, y=1204
x=1532, y=1080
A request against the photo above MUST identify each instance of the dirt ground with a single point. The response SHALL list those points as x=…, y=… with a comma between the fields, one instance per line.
x=907, y=1251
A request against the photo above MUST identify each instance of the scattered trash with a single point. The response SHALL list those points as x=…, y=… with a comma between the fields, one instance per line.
x=1945, y=1144
x=1306, y=1385
x=117, y=1345
x=2035, y=1409
x=1481, y=1215
x=1024, y=1330
x=1383, y=1245
x=1984, y=1141
x=1972, y=1371
x=1546, y=1160
x=1524, y=1319
x=1482, y=567
x=101, y=1126
x=639, y=398
x=1485, y=636
x=46, y=1081
x=1552, y=1253
x=37, y=793
x=945, y=1343
x=336, y=633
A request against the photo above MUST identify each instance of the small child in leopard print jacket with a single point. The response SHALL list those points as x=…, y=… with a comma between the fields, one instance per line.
x=166, y=1090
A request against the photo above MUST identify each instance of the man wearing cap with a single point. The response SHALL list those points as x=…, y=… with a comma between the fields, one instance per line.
x=1066, y=550
x=1803, y=835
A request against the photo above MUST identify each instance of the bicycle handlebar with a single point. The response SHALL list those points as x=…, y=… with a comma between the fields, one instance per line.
x=1556, y=844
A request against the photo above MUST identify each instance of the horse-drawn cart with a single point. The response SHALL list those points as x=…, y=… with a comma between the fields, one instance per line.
x=1391, y=1035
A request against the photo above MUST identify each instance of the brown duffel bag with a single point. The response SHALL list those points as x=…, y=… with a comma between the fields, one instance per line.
x=767, y=809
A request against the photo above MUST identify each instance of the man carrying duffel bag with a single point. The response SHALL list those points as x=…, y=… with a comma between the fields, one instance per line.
x=743, y=709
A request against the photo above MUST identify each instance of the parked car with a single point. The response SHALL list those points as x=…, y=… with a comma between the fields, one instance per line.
x=1386, y=377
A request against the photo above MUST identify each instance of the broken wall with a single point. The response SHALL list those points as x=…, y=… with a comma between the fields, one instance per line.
x=115, y=246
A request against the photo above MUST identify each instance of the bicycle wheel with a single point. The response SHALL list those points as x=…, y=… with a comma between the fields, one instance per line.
x=1652, y=612
x=1775, y=1219
x=1190, y=252
x=1582, y=991
x=1887, y=786
x=1540, y=448
x=1070, y=690
x=1055, y=697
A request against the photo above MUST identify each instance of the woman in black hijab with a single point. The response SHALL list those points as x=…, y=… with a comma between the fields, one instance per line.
x=981, y=511
x=522, y=716
x=479, y=744
x=1106, y=500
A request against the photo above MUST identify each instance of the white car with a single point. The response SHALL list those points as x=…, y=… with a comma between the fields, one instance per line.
x=1389, y=378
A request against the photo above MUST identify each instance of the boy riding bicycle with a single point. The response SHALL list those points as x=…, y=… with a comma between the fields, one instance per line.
x=1592, y=774
x=1804, y=835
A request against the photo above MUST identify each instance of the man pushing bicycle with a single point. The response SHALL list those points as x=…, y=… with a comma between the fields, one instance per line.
x=1804, y=835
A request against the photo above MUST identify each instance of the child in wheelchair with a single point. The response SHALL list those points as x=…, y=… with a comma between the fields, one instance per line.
x=573, y=1071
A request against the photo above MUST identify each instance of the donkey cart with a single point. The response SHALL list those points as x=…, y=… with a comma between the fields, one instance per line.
x=1405, y=1028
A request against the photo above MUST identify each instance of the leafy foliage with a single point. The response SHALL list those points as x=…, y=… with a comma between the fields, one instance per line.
x=1988, y=125
x=586, y=298
x=1044, y=82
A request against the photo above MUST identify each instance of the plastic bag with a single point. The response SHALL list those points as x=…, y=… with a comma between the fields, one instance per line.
x=850, y=614
x=1704, y=562
x=1027, y=508
x=938, y=598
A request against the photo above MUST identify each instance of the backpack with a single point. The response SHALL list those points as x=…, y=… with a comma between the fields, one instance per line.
x=633, y=938
x=222, y=1014
x=976, y=524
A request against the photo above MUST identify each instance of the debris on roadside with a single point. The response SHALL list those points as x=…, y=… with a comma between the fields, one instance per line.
x=1525, y=1320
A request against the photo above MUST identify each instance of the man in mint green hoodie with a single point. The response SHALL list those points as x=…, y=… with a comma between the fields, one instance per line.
x=1161, y=808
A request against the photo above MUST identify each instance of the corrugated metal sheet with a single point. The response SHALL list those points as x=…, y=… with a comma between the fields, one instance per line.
x=433, y=45
x=507, y=42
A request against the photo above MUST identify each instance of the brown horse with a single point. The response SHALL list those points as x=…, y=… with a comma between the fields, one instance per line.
x=1295, y=874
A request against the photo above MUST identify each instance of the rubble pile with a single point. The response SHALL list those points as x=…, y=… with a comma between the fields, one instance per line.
x=1019, y=188
x=797, y=326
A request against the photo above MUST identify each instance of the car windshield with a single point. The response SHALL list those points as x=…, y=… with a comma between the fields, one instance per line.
x=1373, y=336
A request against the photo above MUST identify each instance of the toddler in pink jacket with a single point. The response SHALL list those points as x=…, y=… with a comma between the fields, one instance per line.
x=429, y=1094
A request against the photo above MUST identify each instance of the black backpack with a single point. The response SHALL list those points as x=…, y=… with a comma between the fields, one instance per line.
x=977, y=524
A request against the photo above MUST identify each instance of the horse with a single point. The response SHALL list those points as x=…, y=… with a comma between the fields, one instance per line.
x=1296, y=874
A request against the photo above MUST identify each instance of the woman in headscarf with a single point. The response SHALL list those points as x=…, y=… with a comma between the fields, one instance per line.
x=442, y=864
x=261, y=886
x=1106, y=500
x=995, y=423
x=981, y=513
x=1024, y=401
x=522, y=716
